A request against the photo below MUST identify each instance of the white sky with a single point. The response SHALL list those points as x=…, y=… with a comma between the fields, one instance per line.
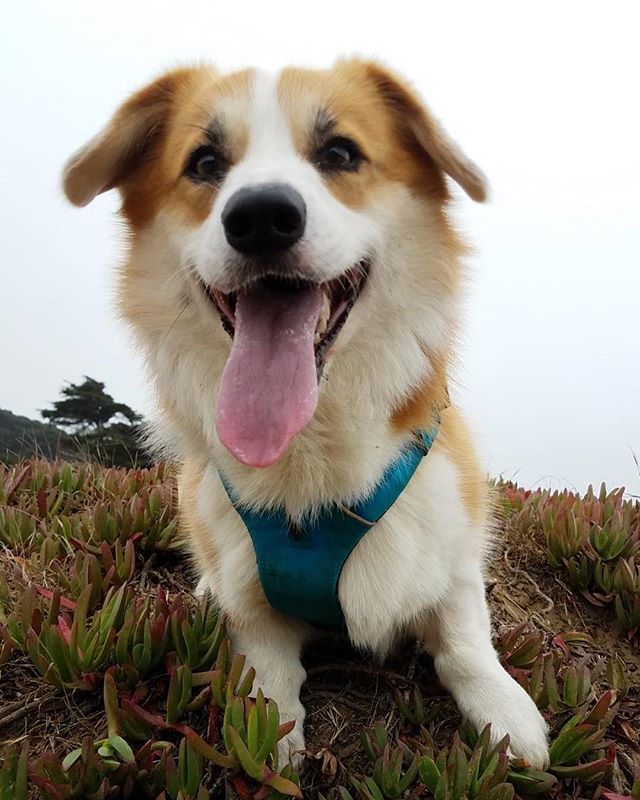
x=543, y=95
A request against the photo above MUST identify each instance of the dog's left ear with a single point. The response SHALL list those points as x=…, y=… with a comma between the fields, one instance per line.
x=108, y=159
x=428, y=132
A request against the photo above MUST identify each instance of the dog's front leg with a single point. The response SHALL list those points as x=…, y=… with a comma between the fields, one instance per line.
x=272, y=645
x=458, y=636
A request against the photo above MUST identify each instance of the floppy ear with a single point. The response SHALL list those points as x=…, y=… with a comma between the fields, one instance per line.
x=428, y=132
x=107, y=159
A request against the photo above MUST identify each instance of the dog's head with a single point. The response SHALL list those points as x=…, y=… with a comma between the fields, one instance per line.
x=270, y=207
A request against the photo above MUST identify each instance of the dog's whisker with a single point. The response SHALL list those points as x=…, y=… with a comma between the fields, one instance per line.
x=187, y=270
x=176, y=320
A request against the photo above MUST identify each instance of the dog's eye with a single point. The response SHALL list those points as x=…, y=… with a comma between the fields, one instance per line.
x=204, y=165
x=339, y=154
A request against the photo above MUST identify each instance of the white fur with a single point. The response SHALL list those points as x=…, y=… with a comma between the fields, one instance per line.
x=335, y=237
x=417, y=570
x=458, y=635
x=420, y=568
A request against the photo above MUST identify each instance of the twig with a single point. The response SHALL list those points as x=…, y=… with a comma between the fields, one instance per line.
x=144, y=572
x=20, y=709
x=413, y=661
x=527, y=577
x=340, y=698
x=364, y=668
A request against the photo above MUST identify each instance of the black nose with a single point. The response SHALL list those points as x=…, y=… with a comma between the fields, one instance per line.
x=264, y=218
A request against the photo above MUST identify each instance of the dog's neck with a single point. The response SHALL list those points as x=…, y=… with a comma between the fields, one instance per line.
x=327, y=463
x=359, y=427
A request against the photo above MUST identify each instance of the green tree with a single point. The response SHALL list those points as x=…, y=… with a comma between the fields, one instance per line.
x=86, y=407
x=101, y=428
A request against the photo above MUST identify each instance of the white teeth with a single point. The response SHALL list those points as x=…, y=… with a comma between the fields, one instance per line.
x=323, y=318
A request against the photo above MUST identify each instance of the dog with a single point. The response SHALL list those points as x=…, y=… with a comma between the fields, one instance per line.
x=293, y=280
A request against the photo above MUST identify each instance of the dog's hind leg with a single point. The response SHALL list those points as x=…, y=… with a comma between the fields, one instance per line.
x=458, y=636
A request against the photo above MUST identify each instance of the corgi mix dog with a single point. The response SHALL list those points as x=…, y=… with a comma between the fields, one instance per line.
x=293, y=281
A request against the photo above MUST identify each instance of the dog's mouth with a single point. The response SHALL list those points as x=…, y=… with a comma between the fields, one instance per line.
x=338, y=298
x=282, y=330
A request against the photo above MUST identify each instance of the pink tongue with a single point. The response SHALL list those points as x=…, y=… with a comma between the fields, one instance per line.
x=269, y=385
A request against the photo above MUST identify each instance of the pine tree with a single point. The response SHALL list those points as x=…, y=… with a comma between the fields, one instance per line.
x=101, y=428
x=87, y=407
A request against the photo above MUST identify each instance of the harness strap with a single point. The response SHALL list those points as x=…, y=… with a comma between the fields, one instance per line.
x=299, y=566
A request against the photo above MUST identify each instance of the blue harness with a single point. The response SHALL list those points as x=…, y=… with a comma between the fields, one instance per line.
x=299, y=567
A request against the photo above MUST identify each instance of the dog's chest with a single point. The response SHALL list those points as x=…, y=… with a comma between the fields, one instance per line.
x=399, y=570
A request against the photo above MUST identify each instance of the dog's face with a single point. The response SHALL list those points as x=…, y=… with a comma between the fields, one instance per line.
x=286, y=201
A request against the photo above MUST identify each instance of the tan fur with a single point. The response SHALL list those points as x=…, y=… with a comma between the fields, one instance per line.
x=349, y=95
x=189, y=480
x=454, y=437
x=428, y=133
x=144, y=149
x=419, y=568
x=420, y=409
x=198, y=531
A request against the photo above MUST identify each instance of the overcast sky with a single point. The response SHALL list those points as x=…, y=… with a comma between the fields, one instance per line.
x=543, y=95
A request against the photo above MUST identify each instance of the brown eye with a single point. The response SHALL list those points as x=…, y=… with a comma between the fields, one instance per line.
x=205, y=165
x=340, y=154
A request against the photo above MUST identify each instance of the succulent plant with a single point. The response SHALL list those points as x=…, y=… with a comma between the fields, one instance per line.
x=14, y=774
x=227, y=679
x=17, y=527
x=72, y=656
x=197, y=636
x=374, y=741
x=477, y=772
x=251, y=731
x=520, y=646
x=595, y=538
x=412, y=706
x=179, y=715
x=583, y=733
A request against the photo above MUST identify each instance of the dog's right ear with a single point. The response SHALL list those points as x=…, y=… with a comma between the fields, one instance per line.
x=428, y=133
x=111, y=156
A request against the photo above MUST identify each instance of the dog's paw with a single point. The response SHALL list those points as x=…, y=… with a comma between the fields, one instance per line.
x=511, y=711
x=203, y=587
x=529, y=736
x=291, y=749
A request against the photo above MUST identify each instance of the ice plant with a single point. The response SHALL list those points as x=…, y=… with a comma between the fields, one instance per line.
x=85, y=550
x=594, y=537
x=227, y=679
